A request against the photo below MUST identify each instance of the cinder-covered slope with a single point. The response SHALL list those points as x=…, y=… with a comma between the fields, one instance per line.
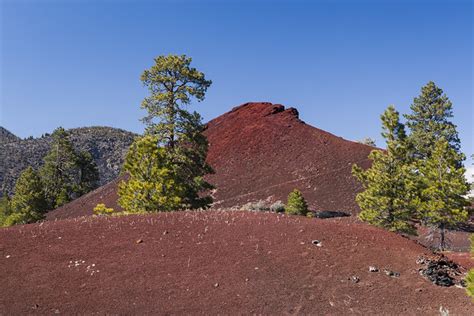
x=228, y=262
x=264, y=151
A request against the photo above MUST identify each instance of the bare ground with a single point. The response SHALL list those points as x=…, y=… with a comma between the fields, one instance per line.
x=214, y=262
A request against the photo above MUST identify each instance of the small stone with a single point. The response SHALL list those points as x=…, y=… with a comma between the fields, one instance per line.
x=139, y=241
x=373, y=269
x=355, y=279
x=391, y=273
x=317, y=243
x=216, y=285
x=7, y=256
x=165, y=232
x=419, y=290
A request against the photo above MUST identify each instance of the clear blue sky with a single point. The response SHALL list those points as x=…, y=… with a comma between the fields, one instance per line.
x=341, y=63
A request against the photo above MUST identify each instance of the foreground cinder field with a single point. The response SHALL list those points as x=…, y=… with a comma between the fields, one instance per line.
x=215, y=262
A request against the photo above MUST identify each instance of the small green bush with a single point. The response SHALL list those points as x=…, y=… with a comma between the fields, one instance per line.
x=296, y=204
x=101, y=209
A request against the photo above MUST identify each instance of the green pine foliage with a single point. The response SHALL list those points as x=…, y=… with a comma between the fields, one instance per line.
x=296, y=204
x=5, y=208
x=443, y=204
x=28, y=205
x=67, y=174
x=59, y=170
x=429, y=121
x=153, y=185
x=470, y=274
x=88, y=173
x=388, y=200
x=174, y=148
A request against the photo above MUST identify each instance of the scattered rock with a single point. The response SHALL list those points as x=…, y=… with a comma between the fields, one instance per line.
x=330, y=214
x=216, y=285
x=317, y=243
x=165, y=232
x=355, y=279
x=373, y=269
x=391, y=273
x=440, y=271
x=139, y=241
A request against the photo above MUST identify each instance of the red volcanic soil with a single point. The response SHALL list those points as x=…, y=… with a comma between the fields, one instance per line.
x=264, y=151
x=214, y=262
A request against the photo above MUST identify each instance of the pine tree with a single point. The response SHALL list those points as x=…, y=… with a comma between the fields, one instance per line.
x=59, y=173
x=88, y=173
x=179, y=155
x=28, y=204
x=152, y=186
x=389, y=198
x=443, y=189
x=296, y=204
x=5, y=208
x=67, y=174
x=430, y=121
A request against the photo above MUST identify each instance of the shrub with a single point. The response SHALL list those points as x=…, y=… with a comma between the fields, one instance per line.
x=277, y=207
x=296, y=204
x=470, y=275
x=256, y=206
x=101, y=209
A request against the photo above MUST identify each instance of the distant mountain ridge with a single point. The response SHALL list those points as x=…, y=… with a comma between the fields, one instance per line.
x=7, y=137
x=107, y=145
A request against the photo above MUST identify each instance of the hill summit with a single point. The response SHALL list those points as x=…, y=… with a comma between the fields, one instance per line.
x=262, y=151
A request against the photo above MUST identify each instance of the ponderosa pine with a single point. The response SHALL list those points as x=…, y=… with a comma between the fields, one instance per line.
x=444, y=186
x=67, y=174
x=388, y=200
x=28, y=204
x=174, y=145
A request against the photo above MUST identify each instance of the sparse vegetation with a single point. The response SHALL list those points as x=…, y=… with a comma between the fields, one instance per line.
x=368, y=141
x=277, y=207
x=260, y=205
x=296, y=204
x=101, y=209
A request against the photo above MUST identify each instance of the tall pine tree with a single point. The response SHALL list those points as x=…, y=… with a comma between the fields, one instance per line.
x=388, y=200
x=438, y=160
x=180, y=150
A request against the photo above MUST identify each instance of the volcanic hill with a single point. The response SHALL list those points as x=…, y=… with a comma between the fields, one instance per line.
x=107, y=146
x=216, y=262
x=262, y=151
